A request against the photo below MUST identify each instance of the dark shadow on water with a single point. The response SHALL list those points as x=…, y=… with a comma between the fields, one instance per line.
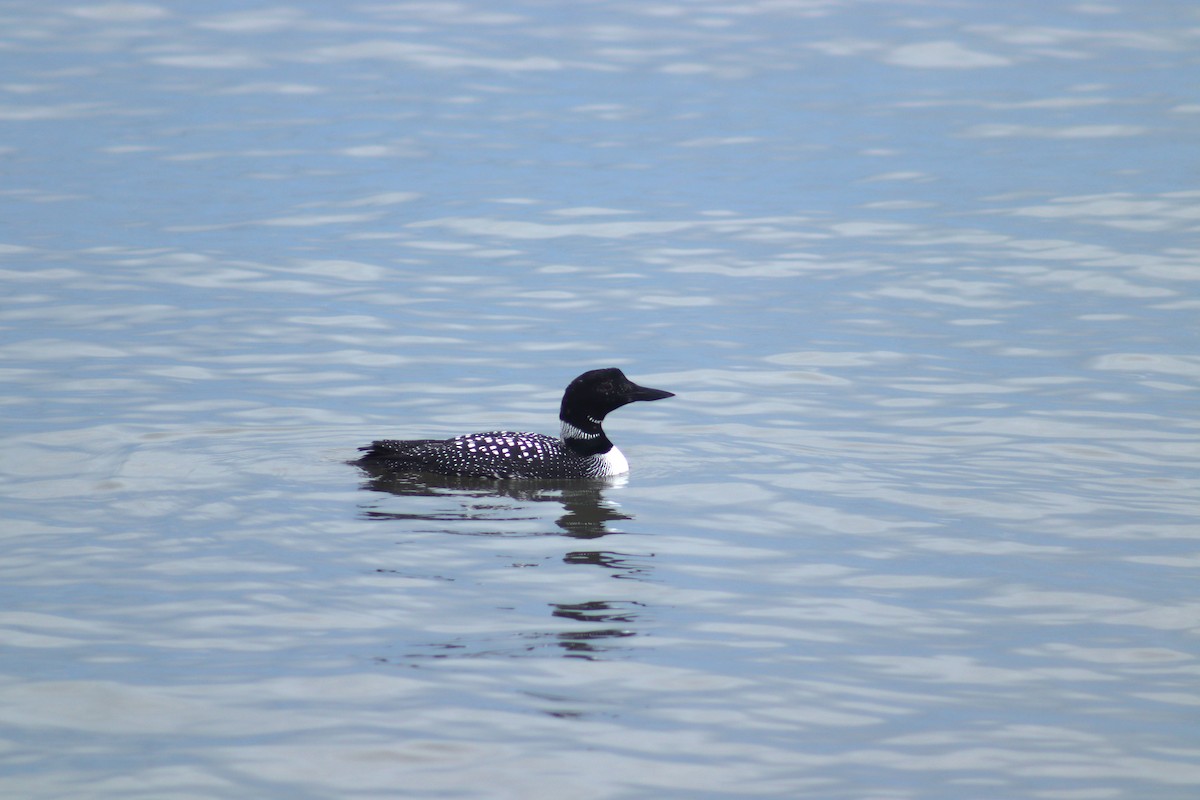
x=623, y=565
x=597, y=611
x=586, y=515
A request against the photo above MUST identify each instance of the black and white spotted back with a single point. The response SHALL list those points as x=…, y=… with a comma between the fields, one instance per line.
x=494, y=454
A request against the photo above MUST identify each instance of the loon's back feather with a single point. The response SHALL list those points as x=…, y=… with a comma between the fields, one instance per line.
x=583, y=451
x=493, y=454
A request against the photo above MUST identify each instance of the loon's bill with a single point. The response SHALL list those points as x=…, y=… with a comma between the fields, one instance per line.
x=580, y=451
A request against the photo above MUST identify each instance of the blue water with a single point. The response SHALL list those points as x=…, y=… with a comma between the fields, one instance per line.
x=923, y=520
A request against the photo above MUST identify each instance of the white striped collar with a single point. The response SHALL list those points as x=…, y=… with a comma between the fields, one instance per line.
x=569, y=431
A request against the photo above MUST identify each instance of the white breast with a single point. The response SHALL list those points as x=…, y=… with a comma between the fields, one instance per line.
x=612, y=463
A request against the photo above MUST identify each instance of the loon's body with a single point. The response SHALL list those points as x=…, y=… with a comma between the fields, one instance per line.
x=581, y=451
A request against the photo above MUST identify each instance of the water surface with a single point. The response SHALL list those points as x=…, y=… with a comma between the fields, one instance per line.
x=922, y=521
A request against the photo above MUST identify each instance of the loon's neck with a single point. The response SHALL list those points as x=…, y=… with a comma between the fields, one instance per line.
x=584, y=436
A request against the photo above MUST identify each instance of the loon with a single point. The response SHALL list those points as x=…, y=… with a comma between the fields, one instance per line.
x=581, y=451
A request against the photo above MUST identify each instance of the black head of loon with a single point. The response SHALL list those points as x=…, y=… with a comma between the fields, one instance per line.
x=581, y=451
x=590, y=397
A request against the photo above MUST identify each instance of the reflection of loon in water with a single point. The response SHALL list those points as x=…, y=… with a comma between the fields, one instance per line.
x=587, y=512
x=602, y=622
x=581, y=451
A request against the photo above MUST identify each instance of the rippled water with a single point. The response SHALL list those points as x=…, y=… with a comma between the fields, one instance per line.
x=922, y=522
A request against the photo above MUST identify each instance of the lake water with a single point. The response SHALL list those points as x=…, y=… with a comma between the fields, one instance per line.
x=922, y=522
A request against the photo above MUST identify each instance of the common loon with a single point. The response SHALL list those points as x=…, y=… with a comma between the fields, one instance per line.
x=581, y=451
